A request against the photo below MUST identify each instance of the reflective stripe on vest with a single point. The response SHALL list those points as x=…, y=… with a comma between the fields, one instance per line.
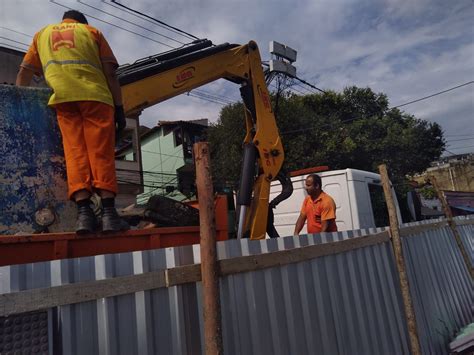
x=71, y=64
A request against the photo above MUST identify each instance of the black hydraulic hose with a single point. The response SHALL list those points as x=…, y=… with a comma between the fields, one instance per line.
x=247, y=175
x=248, y=99
x=286, y=191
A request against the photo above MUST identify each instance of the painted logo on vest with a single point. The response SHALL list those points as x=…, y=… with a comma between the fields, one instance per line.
x=63, y=38
x=183, y=76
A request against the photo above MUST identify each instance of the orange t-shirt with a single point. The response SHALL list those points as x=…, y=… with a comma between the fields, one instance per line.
x=32, y=60
x=321, y=209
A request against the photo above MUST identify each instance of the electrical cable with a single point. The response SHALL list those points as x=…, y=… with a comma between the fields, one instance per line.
x=111, y=24
x=155, y=20
x=10, y=46
x=12, y=40
x=459, y=135
x=467, y=146
x=145, y=19
x=206, y=99
x=130, y=22
x=438, y=93
x=310, y=85
x=458, y=140
x=21, y=33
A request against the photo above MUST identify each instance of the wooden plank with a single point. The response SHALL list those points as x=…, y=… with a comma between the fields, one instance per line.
x=290, y=256
x=452, y=226
x=464, y=222
x=400, y=262
x=211, y=305
x=414, y=230
x=43, y=298
x=190, y=273
x=36, y=299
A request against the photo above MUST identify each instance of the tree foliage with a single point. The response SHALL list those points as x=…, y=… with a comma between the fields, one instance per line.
x=353, y=129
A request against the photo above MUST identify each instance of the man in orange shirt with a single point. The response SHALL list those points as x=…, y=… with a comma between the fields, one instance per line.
x=79, y=67
x=318, y=209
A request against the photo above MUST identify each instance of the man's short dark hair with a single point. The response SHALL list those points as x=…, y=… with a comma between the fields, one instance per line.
x=75, y=15
x=316, y=180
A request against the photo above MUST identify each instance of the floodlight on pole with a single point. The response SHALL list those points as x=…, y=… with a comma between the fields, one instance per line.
x=284, y=56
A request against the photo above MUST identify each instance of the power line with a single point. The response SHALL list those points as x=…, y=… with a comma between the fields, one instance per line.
x=145, y=19
x=148, y=172
x=21, y=33
x=305, y=88
x=217, y=98
x=458, y=140
x=206, y=99
x=202, y=95
x=7, y=45
x=155, y=20
x=111, y=24
x=168, y=155
x=459, y=135
x=12, y=40
x=310, y=85
x=467, y=146
x=130, y=22
x=438, y=93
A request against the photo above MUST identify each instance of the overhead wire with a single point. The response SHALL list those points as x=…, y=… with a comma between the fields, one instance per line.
x=202, y=96
x=114, y=25
x=130, y=22
x=435, y=94
x=458, y=140
x=15, y=31
x=12, y=40
x=310, y=85
x=206, y=98
x=464, y=147
x=112, y=4
x=459, y=135
x=156, y=20
x=7, y=45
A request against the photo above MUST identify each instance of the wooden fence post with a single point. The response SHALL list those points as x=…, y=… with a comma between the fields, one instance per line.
x=209, y=268
x=452, y=225
x=400, y=263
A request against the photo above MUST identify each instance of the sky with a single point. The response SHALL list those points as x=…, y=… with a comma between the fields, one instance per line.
x=406, y=49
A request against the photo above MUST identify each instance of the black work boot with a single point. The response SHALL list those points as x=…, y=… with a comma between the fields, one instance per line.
x=111, y=221
x=86, y=220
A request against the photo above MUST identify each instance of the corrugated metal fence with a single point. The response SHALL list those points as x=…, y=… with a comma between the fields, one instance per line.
x=346, y=303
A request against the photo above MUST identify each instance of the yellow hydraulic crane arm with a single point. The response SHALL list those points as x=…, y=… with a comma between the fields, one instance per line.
x=161, y=77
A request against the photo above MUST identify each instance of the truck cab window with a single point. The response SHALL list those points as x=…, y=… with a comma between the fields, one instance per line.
x=379, y=207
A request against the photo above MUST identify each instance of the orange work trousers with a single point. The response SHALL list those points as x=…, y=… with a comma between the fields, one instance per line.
x=88, y=132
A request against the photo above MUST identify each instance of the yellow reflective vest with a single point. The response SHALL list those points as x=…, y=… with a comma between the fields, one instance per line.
x=71, y=64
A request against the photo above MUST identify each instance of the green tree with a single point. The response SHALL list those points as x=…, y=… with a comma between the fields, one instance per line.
x=352, y=129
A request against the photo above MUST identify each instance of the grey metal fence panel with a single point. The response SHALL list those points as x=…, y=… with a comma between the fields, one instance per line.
x=441, y=287
x=348, y=303
x=337, y=304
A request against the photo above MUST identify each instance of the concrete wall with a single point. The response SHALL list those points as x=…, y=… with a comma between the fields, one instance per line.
x=456, y=176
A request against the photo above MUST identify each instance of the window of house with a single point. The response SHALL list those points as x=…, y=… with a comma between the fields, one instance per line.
x=178, y=137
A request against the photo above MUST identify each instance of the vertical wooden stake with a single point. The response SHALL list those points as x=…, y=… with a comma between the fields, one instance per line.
x=452, y=225
x=400, y=262
x=209, y=268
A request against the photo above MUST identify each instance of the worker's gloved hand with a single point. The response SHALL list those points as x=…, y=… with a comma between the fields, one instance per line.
x=120, y=121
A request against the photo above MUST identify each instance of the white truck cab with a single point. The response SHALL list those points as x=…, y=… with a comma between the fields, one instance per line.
x=358, y=195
